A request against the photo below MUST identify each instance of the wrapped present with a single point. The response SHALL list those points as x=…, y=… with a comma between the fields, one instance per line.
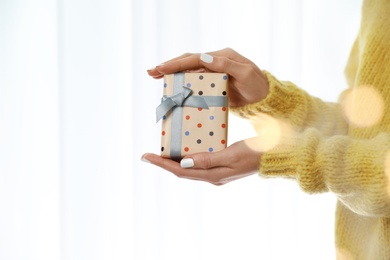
x=194, y=113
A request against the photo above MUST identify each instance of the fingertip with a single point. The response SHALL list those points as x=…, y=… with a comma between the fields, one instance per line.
x=214, y=63
x=197, y=161
x=145, y=158
x=207, y=58
x=154, y=73
x=187, y=163
x=151, y=158
x=160, y=68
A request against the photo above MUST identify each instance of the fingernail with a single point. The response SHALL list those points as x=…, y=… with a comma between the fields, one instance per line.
x=187, y=163
x=160, y=65
x=151, y=68
x=206, y=58
x=145, y=160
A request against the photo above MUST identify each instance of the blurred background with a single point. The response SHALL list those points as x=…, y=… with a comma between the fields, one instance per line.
x=77, y=111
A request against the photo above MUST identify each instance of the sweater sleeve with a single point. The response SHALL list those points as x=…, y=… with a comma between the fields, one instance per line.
x=313, y=146
x=356, y=170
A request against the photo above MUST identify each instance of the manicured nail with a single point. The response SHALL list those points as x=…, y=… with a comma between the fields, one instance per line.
x=145, y=160
x=206, y=58
x=151, y=68
x=160, y=65
x=187, y=163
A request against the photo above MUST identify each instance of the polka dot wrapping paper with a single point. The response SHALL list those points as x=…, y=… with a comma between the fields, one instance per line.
x=195, y=129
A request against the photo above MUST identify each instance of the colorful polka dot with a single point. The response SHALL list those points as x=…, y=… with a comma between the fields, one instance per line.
x=199, y=141
x=223, y=108
x=224, y=93
x=211, y=133
x=223, y=125
x=188, y=85
x=224, y=77
x=200, y=93
x=164, y=117
x=200, y=109
x=162, y=149
x=211, y=149
x=199, y=125
x=163, y=132
x=211, y=117
x=187, y=133
x=165, y=85
x=188, y=117
x=223, y=142
x=201, y=77
x=212, y=85
x=186, y=149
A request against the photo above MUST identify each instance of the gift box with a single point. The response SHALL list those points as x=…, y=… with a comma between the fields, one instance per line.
x=194, y=113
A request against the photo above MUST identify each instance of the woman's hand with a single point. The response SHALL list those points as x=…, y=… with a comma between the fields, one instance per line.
x=234, y=162
x=247, y=83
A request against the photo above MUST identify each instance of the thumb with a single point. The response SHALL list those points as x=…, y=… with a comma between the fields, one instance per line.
x=205, y=160
x=222, y=64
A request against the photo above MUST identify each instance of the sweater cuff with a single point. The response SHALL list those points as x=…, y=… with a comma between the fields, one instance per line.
x=294, y=158
x=280, y=162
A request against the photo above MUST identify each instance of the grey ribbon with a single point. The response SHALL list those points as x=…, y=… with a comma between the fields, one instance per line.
x=182, y=98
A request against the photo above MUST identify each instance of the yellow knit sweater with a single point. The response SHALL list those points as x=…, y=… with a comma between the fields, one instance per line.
x=339, y=147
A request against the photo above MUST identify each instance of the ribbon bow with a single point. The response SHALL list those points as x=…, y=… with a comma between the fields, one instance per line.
x=181, y=99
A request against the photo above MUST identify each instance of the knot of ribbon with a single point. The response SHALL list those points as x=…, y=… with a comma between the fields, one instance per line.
x=181, y=99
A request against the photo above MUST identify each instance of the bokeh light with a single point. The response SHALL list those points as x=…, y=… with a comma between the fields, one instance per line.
x=363, y=106
x=269, y=132
x=343, y=254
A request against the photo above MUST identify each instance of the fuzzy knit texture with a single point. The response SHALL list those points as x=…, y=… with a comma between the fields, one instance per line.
x=342, y=147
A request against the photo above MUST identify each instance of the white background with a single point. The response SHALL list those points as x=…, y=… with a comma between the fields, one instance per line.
x=77, y=113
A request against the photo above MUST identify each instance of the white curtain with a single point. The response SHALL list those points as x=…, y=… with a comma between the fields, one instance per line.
x=77, y=113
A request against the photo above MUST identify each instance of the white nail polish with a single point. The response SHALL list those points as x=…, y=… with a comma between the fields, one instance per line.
x=206, y=58
x=187, y=163
x=152, y=68
x=145, y=160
